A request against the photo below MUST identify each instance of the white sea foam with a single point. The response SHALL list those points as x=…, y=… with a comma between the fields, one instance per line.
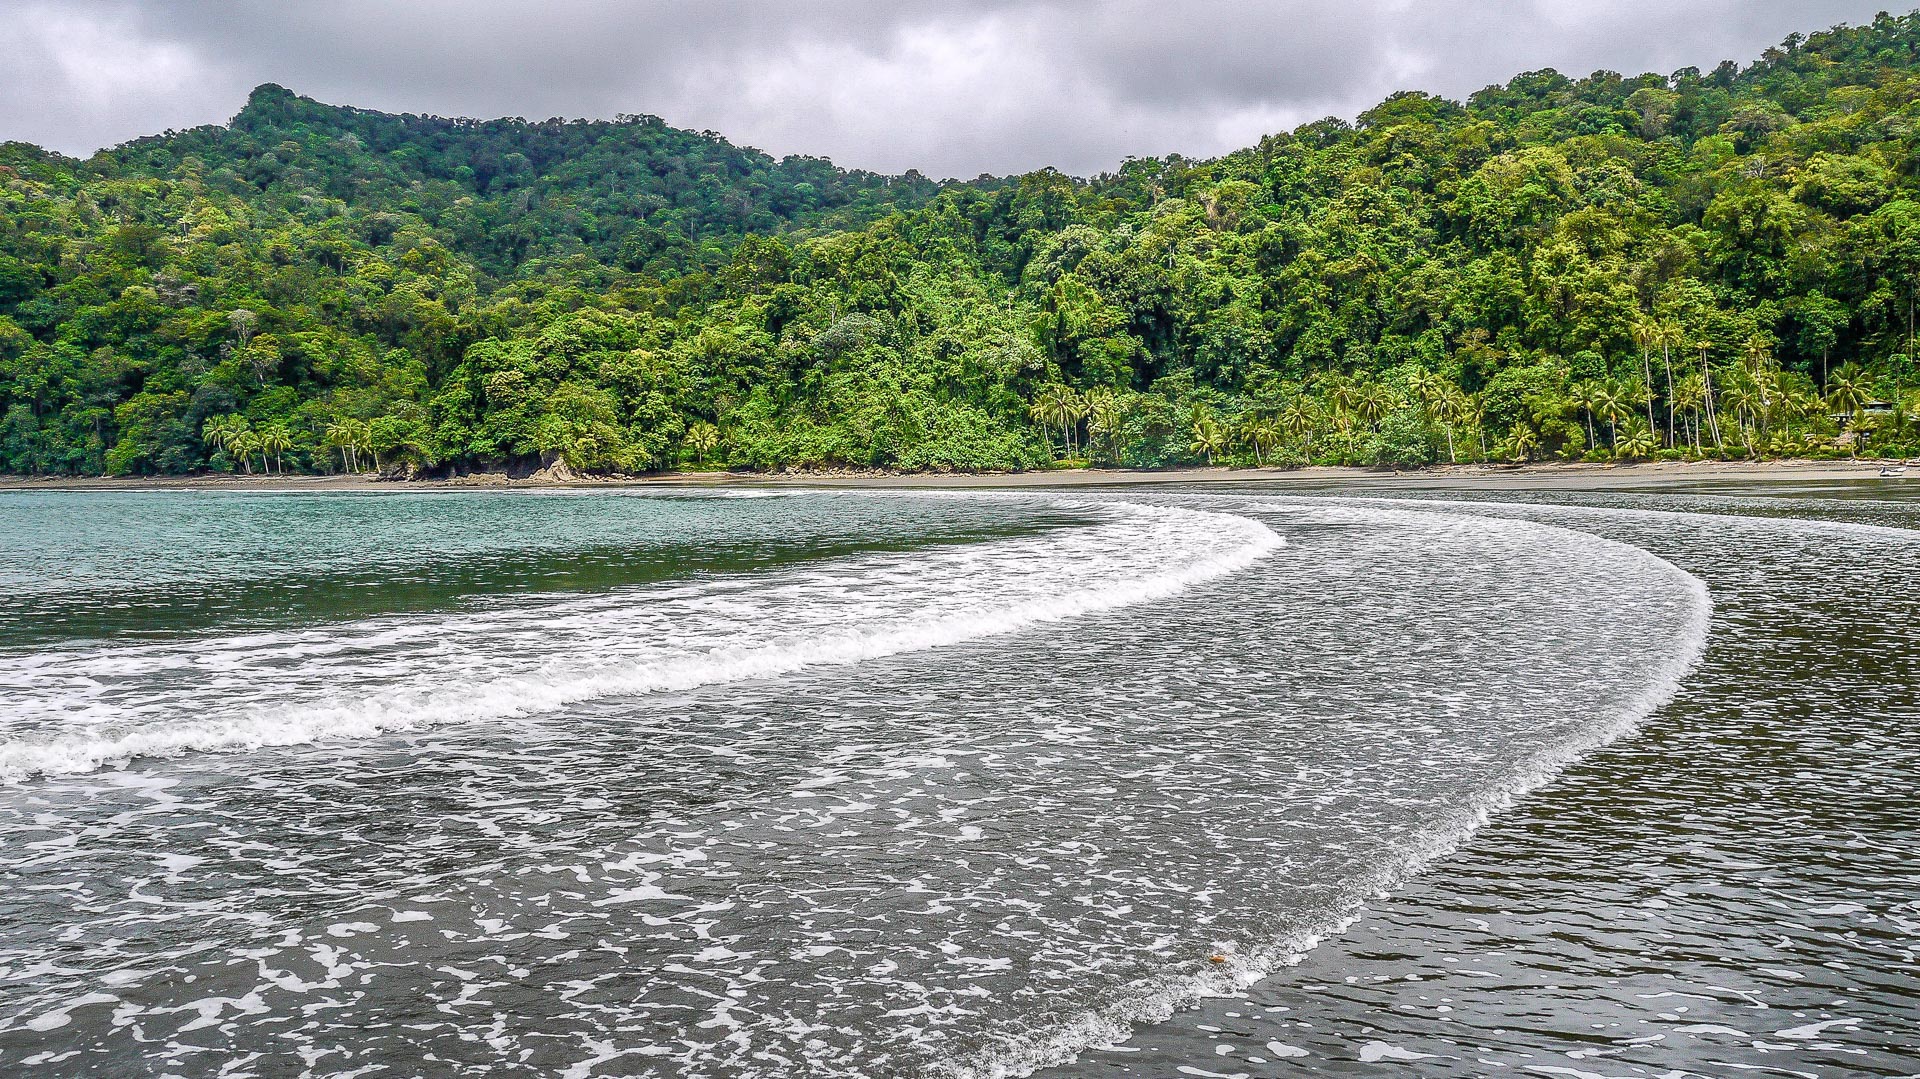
x=1157, y=999
x=77, y=711
x=762, y=878
x=1231, y=772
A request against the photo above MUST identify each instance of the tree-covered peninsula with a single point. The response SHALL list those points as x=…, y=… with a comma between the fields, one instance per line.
x=1718, y=263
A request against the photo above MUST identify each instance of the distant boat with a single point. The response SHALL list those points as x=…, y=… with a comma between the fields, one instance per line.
x=1892, y=472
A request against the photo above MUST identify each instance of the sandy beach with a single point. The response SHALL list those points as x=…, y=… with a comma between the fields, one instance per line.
x=1466, y=477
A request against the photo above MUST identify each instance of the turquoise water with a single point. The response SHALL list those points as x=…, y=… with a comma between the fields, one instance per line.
x=132, y=565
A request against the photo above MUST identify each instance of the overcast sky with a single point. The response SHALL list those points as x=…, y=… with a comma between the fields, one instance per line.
x=951, y=88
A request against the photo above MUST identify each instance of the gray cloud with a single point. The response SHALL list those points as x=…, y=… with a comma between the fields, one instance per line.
x=949, y=87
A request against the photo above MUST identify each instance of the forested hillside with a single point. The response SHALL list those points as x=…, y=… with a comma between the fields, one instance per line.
x=1721, y=263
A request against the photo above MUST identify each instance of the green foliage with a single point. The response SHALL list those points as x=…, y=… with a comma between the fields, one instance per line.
x=1401, y=442
x=1656, y=266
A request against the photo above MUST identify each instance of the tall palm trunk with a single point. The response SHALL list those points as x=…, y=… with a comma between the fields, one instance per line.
x=1666, y=357
x=1713, y=419
x=1646, y=368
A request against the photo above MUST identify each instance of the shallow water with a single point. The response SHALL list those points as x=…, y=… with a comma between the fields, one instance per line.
x=847, y=784
x=1733, y=891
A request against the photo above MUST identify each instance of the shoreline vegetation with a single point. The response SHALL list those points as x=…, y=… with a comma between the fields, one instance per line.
x=1475, y=476
x=1707, y=264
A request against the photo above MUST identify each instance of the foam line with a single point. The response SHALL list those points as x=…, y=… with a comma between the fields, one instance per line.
x=1158, y=998
x=77, y=712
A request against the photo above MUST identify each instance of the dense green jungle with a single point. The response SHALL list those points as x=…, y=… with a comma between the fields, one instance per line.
x=1714, y=264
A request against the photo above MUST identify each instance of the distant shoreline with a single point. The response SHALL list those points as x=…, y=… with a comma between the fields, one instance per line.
x=1488, y=477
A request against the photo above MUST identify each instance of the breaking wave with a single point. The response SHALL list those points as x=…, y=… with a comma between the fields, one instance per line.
x=78, y=711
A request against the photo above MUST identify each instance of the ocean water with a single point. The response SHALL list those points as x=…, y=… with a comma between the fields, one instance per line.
x=957, y=784
x=1732, y=891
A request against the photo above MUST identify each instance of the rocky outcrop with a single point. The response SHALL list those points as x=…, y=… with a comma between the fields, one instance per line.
x=555, y=471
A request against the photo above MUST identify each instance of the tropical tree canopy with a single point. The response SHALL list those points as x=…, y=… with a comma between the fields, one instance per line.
x=1537, y=270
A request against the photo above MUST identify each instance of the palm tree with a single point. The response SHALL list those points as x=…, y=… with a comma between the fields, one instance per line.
x=1300, y=420
x=1645, y=333
x=1259, y=434
x=1373, y=402
x=1457, y=408
x=1242, y=432
x=340, y=436
x=1632, y=396
x=276, y=440
x=1795, y=405
x=1105, y=413
x=1745, y=401
x=1611, y=404
x=1523, y=440
x=1341, y=397
x=1270, y=433
x=1864, y=428
x=1474, y=407
x=1636, y=442
x=1847, y=395
x=1054, y=408
x=1763, y=375
x=1445, y=413
x=362, y=432
x=214, y=432
x=1208, y=436
x=1041, y=412
x=1688, y=395
x=1076, y=410
x=1669, y=336
x=1847, y=389
x=1430, y=387
x=220, y=431
x=702, y=437
x=1586, y=397
x=244, y=444
x=1706, y=379
x=1435, y=391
